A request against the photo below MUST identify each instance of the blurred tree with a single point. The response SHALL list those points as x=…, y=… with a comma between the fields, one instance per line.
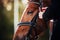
x=21, y=8
x=6, y=27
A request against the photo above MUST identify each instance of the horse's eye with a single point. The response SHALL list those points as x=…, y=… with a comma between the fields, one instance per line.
x=30, y=12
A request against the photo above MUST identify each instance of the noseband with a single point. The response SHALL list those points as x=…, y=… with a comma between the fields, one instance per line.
x=32, y=23
x=25, y=23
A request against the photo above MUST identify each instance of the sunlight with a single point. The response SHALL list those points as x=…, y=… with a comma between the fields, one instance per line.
x=9, y=6
x=16, y=6
x=24, y=2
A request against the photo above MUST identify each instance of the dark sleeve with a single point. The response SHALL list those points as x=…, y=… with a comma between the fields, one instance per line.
x=48, y=14
x=52, y=10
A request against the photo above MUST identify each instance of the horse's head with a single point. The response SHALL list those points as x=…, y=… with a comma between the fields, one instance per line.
x=30, y=24
x=26, y=21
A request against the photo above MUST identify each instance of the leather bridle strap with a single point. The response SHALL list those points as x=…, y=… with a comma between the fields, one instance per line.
x=32, y=23
x=41, y=4
x=26, y=24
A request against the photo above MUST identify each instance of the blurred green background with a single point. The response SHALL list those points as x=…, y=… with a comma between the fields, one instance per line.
x=6, y=19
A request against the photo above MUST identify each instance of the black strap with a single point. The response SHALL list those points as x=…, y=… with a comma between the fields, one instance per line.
x=26, y=24
x=41, y=4
x=32, y=23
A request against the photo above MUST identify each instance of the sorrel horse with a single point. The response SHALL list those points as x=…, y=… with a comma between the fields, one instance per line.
x=30, y=25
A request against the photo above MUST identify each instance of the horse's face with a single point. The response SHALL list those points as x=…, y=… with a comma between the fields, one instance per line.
x=28, y=14
x=30, y=11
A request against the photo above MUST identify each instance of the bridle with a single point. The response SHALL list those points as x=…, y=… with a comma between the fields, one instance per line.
x=33, y=21
x=32, y=25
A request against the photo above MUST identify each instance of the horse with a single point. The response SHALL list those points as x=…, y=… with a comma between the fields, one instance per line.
x=30, y=26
